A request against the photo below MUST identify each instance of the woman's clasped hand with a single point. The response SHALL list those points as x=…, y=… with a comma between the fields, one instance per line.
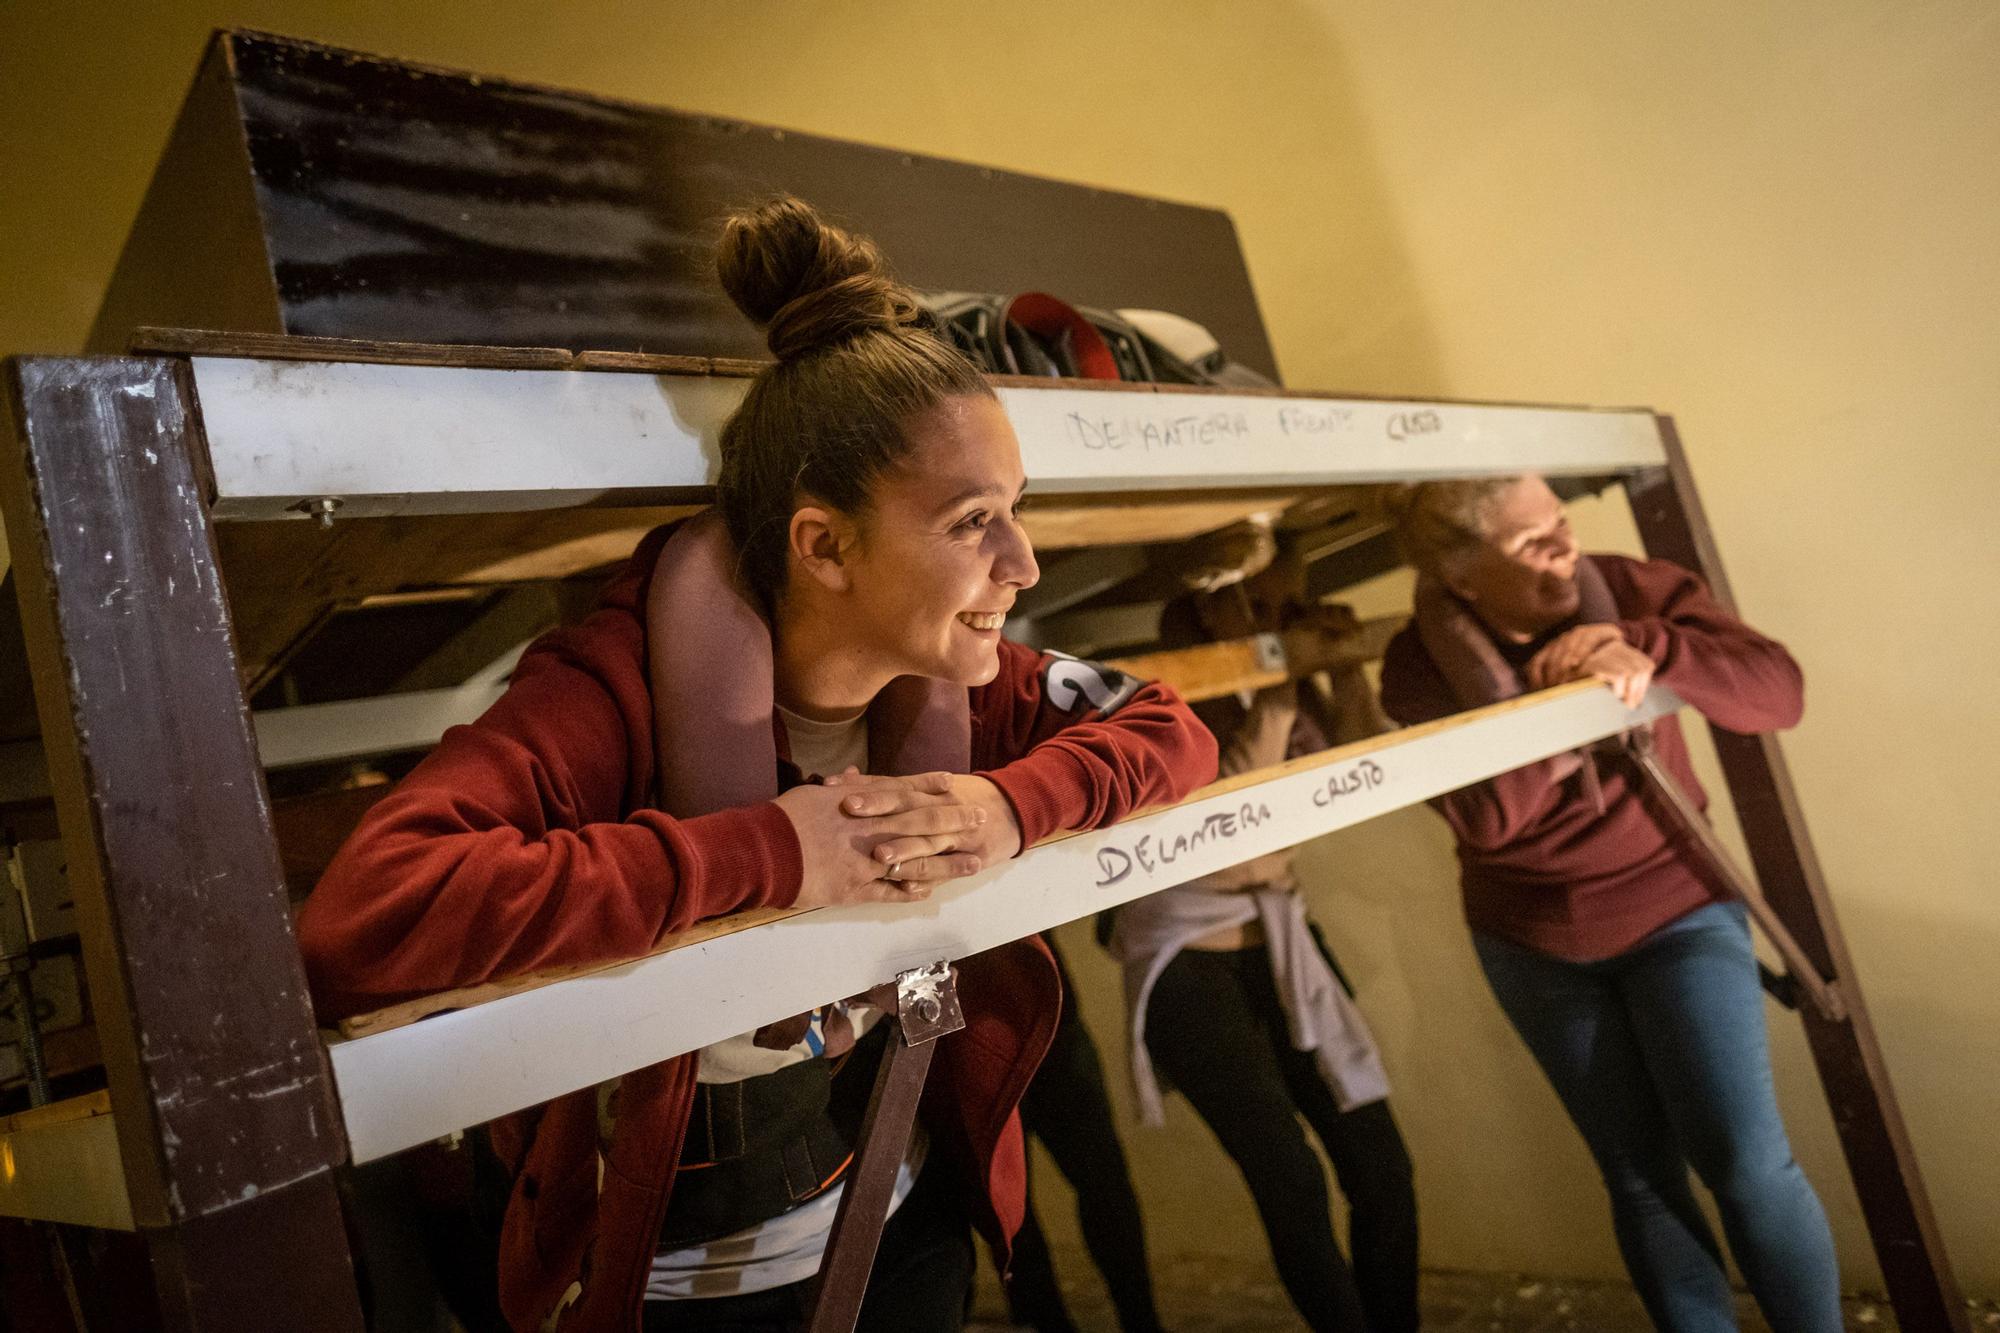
x=1593, y=652
x=867, y=838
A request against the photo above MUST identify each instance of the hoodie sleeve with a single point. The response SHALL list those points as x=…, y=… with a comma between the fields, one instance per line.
x=508, y=849
x=1729, y=673
x=1076, y=745
x=1487, y=815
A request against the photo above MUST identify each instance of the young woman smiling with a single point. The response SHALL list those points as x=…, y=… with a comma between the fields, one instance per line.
x=653, y=767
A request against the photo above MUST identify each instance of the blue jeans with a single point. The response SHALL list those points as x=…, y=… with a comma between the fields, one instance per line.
x=1660, y=1057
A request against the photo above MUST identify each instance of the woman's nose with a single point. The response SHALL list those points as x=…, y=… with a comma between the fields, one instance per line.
x=1015, y=563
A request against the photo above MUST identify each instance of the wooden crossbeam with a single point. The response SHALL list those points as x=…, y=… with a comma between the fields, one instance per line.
x=60, y=1163
x=519, y=1043
x=396, y=439
x=1229, y=666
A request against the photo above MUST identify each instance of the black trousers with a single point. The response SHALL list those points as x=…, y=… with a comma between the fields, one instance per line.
x=918, y=1284
x=1068, y=1109
x=1216, y=1032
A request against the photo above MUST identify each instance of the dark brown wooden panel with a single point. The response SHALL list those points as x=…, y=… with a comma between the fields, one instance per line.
x=216, y=1073
x=408, y=203
x=265, y=1264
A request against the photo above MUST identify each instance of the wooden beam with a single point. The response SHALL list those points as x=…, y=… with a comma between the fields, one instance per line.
x=399, y=439
x=1066, y=522
x=514, y=617
x=1068, y=580
x=215, y=1075
x=1873, y=1136
x=520, y=1042
x=284, y=579
x=1212, y=670
x=60, y=1163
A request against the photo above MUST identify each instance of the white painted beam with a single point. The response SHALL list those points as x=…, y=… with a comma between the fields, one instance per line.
x=358, y=728
x=386, y=439
x=405, y=1085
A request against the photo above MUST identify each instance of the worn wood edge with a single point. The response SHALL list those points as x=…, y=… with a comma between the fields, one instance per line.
x=302, y=347
x=63, y=1163
x=410, y=1011
x=55, y=1113
x=299, y=347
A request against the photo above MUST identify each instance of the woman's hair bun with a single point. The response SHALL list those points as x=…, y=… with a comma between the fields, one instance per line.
x=805, y=282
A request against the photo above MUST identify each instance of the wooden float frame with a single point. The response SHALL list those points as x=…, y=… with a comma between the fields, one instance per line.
x=222, y=1096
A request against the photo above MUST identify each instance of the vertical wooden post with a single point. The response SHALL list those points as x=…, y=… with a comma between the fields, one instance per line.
x=1898, y=1210
x=226, y=1120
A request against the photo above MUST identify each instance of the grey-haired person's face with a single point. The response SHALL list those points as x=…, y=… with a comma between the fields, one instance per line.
x=1522, y=577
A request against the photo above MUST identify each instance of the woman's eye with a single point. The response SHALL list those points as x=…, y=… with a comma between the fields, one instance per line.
x=975, y=521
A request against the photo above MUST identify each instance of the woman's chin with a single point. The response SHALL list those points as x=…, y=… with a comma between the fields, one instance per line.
x=975, y=667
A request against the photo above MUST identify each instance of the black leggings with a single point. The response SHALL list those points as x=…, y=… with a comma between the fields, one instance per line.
x=1067, y=1108
x=1217, y=1033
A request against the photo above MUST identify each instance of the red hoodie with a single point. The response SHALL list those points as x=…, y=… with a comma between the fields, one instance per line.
x=524, y=841
x=1539, y=865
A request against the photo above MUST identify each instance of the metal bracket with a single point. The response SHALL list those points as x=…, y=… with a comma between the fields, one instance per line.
x=321, y=509
x=927, y=1002
x=1270, y=650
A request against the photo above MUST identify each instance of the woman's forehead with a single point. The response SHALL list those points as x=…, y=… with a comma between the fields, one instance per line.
x=1528, y=503
x=961, y=450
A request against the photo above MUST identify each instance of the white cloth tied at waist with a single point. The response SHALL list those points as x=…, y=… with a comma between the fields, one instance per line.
x=1321, y=1016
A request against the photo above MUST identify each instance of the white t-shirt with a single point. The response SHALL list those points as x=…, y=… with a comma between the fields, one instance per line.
x=785, y=1248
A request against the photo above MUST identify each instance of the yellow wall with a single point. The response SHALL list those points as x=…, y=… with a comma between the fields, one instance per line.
x=1780, y=221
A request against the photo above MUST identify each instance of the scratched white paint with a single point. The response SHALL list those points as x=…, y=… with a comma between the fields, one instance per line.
x=427, y=439
x=404, y=1086
x=1094, y=440
x=410, y=439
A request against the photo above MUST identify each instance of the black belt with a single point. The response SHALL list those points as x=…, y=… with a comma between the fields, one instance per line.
x=763, y=1146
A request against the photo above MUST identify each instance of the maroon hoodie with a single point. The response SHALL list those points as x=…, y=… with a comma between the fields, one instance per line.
x=526, y=841
x=1540, y=866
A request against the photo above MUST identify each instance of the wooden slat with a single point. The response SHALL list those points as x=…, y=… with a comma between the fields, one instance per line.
x=403, y=1084
x=60, y=1163
x=397, y=439
x=390, y=1017
x=284, y=579
x=393, y=1016
x=55, y=1113
x=1055, y=523
x=1212, y=670
x=291, y=347
x=366, y=351
x=266, y=346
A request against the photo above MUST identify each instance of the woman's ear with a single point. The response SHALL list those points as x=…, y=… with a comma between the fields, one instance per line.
x=819, y=539
x=1456, y=577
